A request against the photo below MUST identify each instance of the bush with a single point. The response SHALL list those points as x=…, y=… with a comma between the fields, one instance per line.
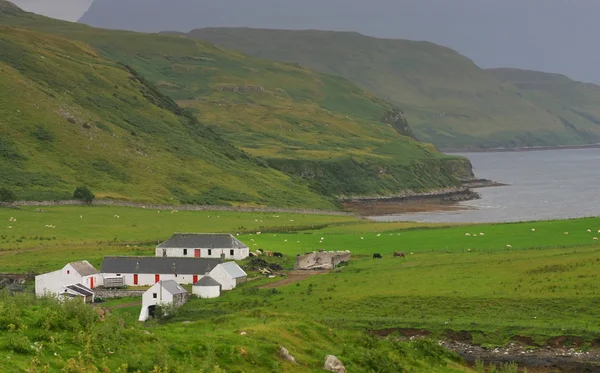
x=7, y=195
x=82, y=193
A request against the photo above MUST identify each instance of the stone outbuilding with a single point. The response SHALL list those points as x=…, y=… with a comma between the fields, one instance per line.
x=203, y=245
x=162, y=293
x=207, y=287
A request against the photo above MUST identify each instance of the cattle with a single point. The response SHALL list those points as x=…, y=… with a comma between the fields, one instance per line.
x=268, y=253
x=278, y=255
x=400, y=254
x=376, y=256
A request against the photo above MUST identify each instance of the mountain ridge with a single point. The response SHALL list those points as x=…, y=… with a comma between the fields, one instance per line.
x=318, y=132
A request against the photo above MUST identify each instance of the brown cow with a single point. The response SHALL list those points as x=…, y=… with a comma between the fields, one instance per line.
x=400, y=254
x=268, y=253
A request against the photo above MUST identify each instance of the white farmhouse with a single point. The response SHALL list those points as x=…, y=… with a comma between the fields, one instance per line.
x=207, y=287
x=229, y=275
x=148, y=270
x=74, y=279
x=162, y=293
x=203, y=245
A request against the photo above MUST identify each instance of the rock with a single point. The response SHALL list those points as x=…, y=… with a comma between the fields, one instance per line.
x=333, y=364
x=285, y=354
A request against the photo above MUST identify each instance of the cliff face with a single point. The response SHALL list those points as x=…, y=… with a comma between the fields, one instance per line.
x=396, y=118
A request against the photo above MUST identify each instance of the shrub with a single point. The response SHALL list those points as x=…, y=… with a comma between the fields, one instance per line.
x=7, y=195
x=83, y=193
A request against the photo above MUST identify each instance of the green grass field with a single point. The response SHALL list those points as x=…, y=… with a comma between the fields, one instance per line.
x=544, y=286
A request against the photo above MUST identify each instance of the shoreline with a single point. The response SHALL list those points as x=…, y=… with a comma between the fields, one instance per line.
x=517, y=149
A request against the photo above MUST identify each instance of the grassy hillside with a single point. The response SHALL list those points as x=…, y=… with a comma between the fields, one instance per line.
x=576, y=104
x=320, y=127
x=71, y=117
x=448, y=99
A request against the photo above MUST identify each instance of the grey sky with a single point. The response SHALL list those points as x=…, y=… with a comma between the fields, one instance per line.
x=548, y=35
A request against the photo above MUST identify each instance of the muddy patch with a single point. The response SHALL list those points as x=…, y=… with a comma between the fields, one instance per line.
x=566, y=341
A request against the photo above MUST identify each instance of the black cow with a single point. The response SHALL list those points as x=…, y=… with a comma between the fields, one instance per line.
x=376, y=256
x=279, y=255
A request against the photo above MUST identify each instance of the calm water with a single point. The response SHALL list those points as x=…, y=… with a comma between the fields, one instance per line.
x=547, y=184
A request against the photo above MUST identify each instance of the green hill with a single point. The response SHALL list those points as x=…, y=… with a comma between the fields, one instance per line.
x=576, y=104
x=447, y=98
x=328, y=136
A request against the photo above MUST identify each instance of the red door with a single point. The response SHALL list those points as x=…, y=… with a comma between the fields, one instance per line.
x=156, y=278
x=135, y=279
x=91, y=282
x=195, y=279
x=197, y=253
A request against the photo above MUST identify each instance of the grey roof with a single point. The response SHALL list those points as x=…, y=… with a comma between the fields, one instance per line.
x=80, y=289
x=84, y=268
x=207, y=281
x=157, y=265
x=234, y=270
x=173, y=287
x=202, y=241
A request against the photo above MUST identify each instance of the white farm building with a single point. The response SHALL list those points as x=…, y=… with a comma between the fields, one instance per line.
x=76, y=279
x=148, y=270
x=207, y=287
x=162, y=293
x=203, y=245
x=229, y=275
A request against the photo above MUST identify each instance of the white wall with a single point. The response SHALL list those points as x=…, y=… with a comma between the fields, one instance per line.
x=145, y=279
x=54, y=282
x=223, y=277
x=162, y=297
x=238, y=254
x=206, y=291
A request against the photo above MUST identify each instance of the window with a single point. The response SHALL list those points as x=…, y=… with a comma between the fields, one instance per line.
x=68, y=271
x=209, y=252
x=154, y=295
x=184, y=251
x=231, y=252
x=118, y=274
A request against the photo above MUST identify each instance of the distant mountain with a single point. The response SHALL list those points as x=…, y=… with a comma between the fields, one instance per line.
x=103, y=108
x=448, y=99
x=576, y=104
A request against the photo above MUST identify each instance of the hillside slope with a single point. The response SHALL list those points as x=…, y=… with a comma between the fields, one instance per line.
x=70, y=117
x=448, y=99
x=576, y=104
x=324, y=129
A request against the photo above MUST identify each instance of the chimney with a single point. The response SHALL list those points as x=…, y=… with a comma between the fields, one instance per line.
x=222, y=257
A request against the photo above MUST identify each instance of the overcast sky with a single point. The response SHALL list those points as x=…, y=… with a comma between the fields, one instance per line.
x=548, y=35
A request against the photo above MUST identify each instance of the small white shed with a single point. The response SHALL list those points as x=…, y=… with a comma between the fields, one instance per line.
x=207, y=287
x=162, y=293
x=81, y=273
x=229, y=275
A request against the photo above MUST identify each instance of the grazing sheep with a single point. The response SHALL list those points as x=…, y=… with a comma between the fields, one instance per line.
x=284, y=240
x=378, y=234
x=595, y=238
x=566, y=233
x=362, y=238
x=80, y=216
x=481, y=234
x=322, y=238
x=467, y=234
x=9, y=227
x=589, y=231
x=509, y=246
x=533, y=229
x=475, y=235
x=258, y=232
x=469, y=250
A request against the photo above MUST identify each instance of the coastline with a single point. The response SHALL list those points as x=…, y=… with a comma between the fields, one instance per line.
x=518, y=149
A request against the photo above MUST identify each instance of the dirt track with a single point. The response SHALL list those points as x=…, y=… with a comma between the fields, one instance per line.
x=292, y=277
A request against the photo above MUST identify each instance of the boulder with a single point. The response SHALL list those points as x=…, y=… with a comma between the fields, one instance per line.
x=285, y=354
x=333, y=364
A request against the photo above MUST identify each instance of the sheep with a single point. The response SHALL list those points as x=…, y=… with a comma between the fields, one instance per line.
x=469, y=250
x=378, y=234
x=252, y=239
x=322, y=238
x=481, y=234
x=9, y=227
x=284, y=240
x=80, y=216
x=467, y=234
x=474, y=234
x=566, y=233
x=258, y=232
x=509, y=246
x=362, y=238
x=533, y=229
x=589, y=231
x=598, y=230
x=595, y=238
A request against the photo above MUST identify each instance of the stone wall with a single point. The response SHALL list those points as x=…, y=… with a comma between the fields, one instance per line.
x=118, y=293
x=321, y=260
